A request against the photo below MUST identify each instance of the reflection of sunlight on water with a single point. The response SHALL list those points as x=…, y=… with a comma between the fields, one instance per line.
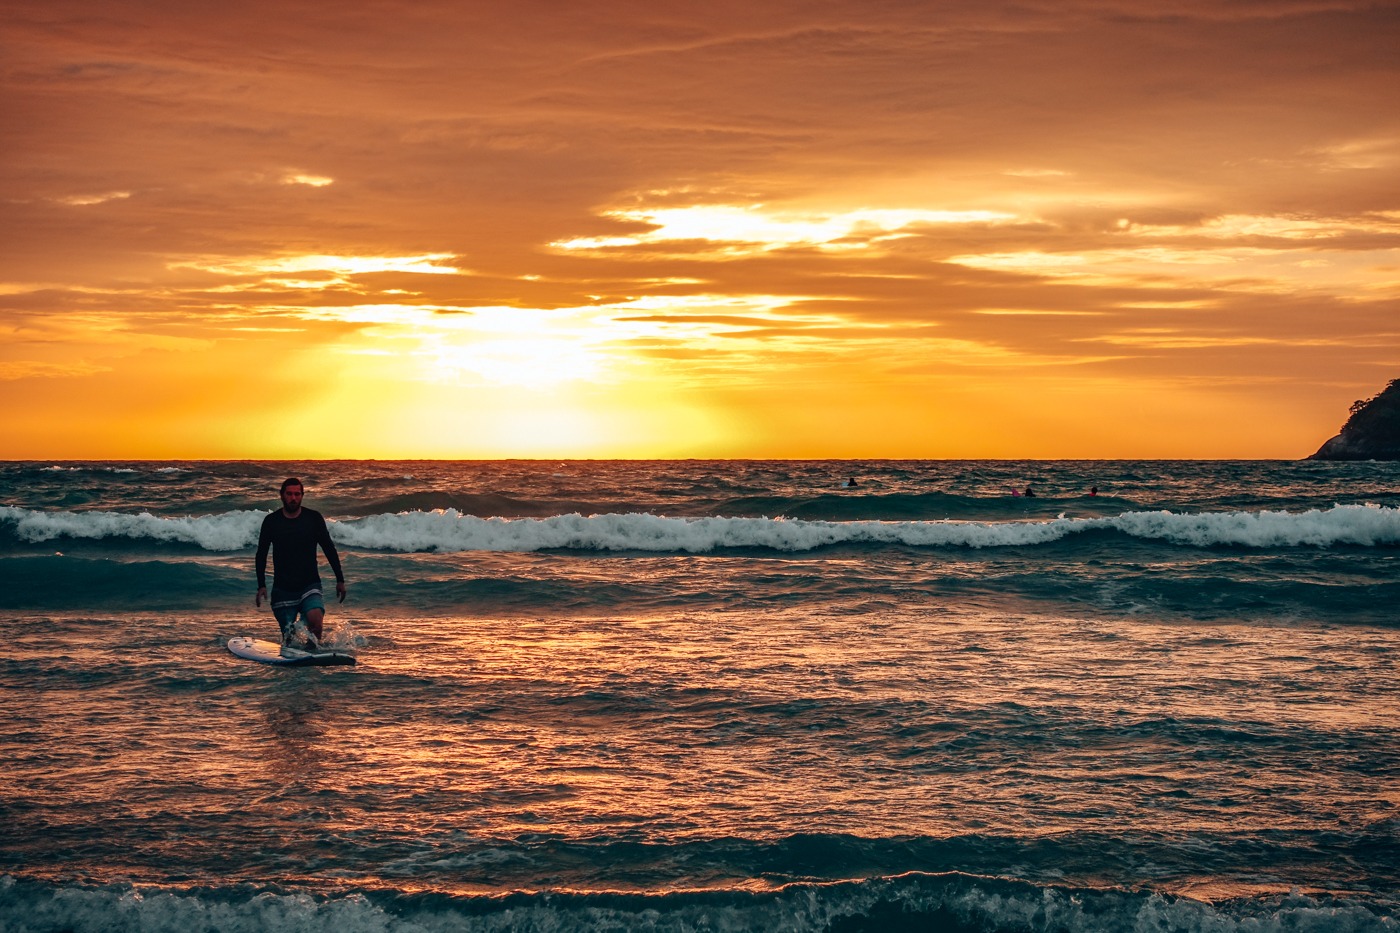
x=760, y=724
x=290, y=749
x=456, y=733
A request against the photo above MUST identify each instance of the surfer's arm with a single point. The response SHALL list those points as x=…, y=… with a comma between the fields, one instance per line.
x=260, y=561
x=332, y=558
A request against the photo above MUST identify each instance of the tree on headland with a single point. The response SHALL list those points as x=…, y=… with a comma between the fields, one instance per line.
x=1361, y=403
x=1372, y=432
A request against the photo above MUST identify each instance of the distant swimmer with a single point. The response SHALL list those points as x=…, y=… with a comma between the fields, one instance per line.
x=1093, y=490
x=1016, y=492
x=850, y=483
x=293, y=534
x=1029, y=493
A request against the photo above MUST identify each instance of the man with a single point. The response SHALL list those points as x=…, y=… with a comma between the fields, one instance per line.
x=293, y=534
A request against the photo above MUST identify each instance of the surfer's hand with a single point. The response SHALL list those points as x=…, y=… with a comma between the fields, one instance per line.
x=340, y=590
x=262, y=594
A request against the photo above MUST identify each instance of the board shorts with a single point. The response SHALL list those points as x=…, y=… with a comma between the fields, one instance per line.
x=286, y=608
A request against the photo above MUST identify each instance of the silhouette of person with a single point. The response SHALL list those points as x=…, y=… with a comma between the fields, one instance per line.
x=292, y=534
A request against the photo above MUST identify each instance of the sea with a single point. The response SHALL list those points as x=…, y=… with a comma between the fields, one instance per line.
x=708, y=696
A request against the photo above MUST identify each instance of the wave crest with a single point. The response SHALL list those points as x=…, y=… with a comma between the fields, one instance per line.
x=228, y=531
x=450, y=530
x=968, y=904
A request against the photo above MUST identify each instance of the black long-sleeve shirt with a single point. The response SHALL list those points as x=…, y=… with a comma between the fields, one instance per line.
x=293, y=542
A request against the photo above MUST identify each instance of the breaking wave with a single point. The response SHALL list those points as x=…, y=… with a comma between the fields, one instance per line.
x=954, y=902
x=450, y=530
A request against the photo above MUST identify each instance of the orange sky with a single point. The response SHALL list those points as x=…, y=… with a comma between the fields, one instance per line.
x=1050, y=228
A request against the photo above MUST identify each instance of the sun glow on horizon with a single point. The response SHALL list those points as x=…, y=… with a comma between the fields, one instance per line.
x=542, y=349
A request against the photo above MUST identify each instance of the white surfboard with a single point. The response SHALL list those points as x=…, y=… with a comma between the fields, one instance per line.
x=270, y=652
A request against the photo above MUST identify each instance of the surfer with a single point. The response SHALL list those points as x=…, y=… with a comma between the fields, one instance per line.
x=293, y=533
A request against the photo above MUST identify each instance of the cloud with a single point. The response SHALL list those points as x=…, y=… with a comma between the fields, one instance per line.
x=87, y=200
x=312, y=181
x=32, y=369
x=338, y=265
x=754, y=226
x=868, y=193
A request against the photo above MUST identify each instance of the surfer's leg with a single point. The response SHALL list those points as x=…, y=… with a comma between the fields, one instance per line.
x=313, y=622
x=286, y=616
x=313, y=610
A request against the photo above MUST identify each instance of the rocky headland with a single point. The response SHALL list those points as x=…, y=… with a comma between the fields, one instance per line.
x=1371, y=433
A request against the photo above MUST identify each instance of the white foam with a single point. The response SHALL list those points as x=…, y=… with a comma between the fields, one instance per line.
x=106, y=469
x=1366, y=525
x=449, y=530
x=977, y=904
x=228, y=531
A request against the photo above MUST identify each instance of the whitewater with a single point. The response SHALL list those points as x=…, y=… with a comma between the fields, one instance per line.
x=449, y=530
x=705, y=695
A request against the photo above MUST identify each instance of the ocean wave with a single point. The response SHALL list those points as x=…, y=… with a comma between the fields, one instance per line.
x=227, y=531
x=121, y=471
x=968, y=904
x=450, y=530
x=55, y=582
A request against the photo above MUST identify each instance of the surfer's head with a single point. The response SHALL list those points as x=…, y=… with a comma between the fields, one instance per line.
x=292, y=491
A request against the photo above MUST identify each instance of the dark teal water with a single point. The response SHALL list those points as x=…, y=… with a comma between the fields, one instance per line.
x=709, y=695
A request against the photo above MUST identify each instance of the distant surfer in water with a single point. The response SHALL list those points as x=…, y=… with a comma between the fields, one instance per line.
x=293, y=533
